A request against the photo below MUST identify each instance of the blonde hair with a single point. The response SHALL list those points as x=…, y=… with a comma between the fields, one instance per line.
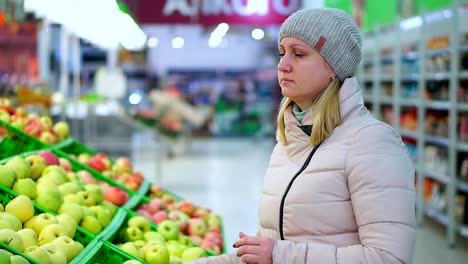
x=326, y=114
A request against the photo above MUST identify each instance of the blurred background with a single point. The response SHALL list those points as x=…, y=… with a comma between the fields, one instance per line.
x=188, y=92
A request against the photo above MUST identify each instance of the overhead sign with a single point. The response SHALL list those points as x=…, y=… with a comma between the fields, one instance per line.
x=212, y=12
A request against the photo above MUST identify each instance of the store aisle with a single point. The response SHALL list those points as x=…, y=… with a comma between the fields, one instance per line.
x=226, y=175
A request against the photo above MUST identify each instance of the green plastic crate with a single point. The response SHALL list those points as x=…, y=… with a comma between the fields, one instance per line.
x=176, y=197
x=16, y=141
x=16, y=252
x=72, y=146
x=104, y=252
x=85, y=238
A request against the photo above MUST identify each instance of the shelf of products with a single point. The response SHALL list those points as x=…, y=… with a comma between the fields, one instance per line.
x=419, y=81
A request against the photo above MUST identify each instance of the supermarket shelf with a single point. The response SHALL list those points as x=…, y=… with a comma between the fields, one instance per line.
x=462, y=146
x=437, y=140
x=412, y=55
x=463, y=186
x=406, y=77
x=436, y=175
x=463, y=74
x=410, y=102
x=408, y=133
x=386, y=100
x=437, y=75
x=386, y=77
x=432, y=213
x=463, y=106
x=438, y=105
x=437, y=52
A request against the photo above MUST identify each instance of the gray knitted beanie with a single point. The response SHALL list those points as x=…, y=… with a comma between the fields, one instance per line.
x=332, y=33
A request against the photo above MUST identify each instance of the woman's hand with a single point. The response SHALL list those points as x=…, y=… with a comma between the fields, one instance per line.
x=254, y=250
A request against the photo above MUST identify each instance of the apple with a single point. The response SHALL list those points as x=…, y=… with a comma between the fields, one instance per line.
x=87, y=211
x=86, y=176
x=33, y=128
x=46, y=122
x=28, y=236
x=21, y=207
x=186, y=207
x=176, y=260
x=37, y=253
x=49, y=197
x=20, y=166
x=175, y=249
x=56, y=254
x=73, y=177
x=181, y=218
x=19, y=122
x=157, y=254
x=153, y=236
x=132, y=261
x=8, y=176
x=132, y=185
x=109, y=206
x=196, y=239
x=193, y=253
x=56, y=169
x=68, y=245
x=62, y=130
x=26, y=187
x=122, y=165
x=69, y=223
x=167, y=198
x=156, y=191
x=4, y=224
x=50, y=233
x=13, y=221
x=185, y=241
x=200, y=213
x=91, y=224
x=215, y=237
x=49, y=157
x=97, y=164
x=74, y=198
x=17, y=259
x=1, y=208
x=214, y=222
x=144, y=213
x=102, y=214
x=5, y=116
x=47, y=137
x=116, y=196
x=37, y=164
x=88, y=198
x=158, y=217
x=131, y=249
x=211, y=246
x=169, y=230
x=197, y=227
x=69, y=188
x=132, y=233
x=64, y=163
x=38, y=222
x=140, y=222
x=156, y=204
x=84, y=158
x=96, y=192
x=11, y=238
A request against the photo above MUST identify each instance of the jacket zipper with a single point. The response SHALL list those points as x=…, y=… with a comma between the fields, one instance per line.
x=283, y=199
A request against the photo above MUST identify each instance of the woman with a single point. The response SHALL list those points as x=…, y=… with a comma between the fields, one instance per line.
x=342, y=191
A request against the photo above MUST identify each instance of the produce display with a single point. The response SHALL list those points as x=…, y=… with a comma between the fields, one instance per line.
x=60, y=204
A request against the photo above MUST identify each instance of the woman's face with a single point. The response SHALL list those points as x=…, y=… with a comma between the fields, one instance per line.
x=302, y=72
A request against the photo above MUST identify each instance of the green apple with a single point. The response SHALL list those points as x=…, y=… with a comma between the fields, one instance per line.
x=46, y=122
x=4, y=257
x=169, y=230
x=37, y=253
x=6, y=252
x=69, y=223
x=28, y=236
x=56, y=254
x=176, y=260
x=20, y=166
x=74, y=198
x=157, y=254
x=88, y=198
x=13, y=221
x=52, y=176
x=5, y=224
x=150, y=243
x=186, y=241
x=71, y=209
x=55, y=169
x=1, y=208
x=69, y=188
x=96, y=192
x=102, y=214
x=11, y=238
x=17, y=259
x=37, y=164
x=49, y=197
x=73, y=177
x=109, y=206
x=140, y=244
x=68, y=246
x=193, y=253
x=175, y=249
x=38, y=222
x=78, y=247
x=21, y=207
x=132, y=261
x=153, y=235
x=132, y=233
x=50, y=233
x=140, y=222
x=87, y=211
x=8, y=176
x=25, y=186
x=131, y=249
x=91, y=224
x=61, y=129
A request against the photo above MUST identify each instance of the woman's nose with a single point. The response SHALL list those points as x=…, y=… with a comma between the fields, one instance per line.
x=284, y=65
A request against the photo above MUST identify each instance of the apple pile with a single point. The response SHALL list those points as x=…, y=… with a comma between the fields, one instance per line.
x=58, y=189
x=200, y=224
x=43, y=237
x=162, y=246
x=8, y=257
x=40, y=127
x=120, y=170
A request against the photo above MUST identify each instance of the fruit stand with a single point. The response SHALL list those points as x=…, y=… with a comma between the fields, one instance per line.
x=63, y=202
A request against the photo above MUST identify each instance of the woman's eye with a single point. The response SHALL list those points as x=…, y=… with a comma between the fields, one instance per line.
x=298, y=54
x=280, y=54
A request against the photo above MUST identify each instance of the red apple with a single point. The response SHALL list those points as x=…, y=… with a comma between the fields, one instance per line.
x=196, y=226
x=156, y=205
x=122, y=165
x=65, y=164
x=158, y=217
x=116, y=196
x=186, y=207
x=201, y=213
x=97, y=163
x=131, y=184
x=167, y=198
x=211, y=246
x=215, y=238
x=144, y=213
x=86, y=176
x=181, y=218
x=156, y=191
x=49, y=157
x=196, y=239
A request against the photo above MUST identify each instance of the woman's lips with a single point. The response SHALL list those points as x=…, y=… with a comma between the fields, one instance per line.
x=286, y=80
